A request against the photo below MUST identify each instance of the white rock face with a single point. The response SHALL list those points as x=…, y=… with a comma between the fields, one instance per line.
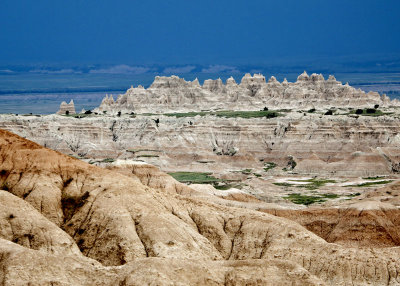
x=174, y=94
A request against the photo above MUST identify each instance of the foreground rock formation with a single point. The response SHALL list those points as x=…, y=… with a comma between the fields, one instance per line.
x=174, y=94
x=113, y=229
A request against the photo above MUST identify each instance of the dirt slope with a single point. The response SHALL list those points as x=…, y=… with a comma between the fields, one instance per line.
x=155, y=236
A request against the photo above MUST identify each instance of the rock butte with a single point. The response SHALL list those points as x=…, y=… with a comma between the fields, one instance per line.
x=174, y=94
x=67, y=108
x=70, y=223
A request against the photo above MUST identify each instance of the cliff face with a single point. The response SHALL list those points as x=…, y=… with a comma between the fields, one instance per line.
x=174, y=94
x=339, y=144
x=103, y=218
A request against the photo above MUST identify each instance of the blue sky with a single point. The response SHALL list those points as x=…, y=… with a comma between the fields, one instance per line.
x=202, y=32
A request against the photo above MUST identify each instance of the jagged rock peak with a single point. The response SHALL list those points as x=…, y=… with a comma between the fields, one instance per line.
x=231, y=81
x=285, y=81
x=303, y=77
x=332, y=78
x=67, y=108
x=168, y=82
x=256, y=78
x=317, y=77
x=196, y=82
x=213, y=85
x=273, y=80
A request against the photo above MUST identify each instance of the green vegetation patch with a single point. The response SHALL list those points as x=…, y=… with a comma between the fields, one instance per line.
x=227, y=113
x=369, y=112
x=147, y=156
x=194, y=177
x=374, y=178
x=107, y=160
x=269, y=166
x=142, y=150
x=368, y=184
x=246, y=171
x=205, y=161
x=308, y=200
x=313, y=183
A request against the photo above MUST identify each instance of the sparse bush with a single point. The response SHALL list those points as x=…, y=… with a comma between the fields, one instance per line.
x=329, y=112
x=88, y=112
x=359, y=111
x=376, y=106
x=371, y=110
x=312, y=110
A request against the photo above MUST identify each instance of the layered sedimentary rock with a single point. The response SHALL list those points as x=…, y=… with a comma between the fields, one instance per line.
x=339, y=145
x=174, y=94
x=155, y=236
x=67, y=108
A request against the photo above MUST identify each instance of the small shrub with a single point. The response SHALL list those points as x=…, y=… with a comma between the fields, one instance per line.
x=359, y=111
x=371, y=110
x=269, y=166
x=376, y=106
x=88, y=112
x=312, y=110
x=329, y=112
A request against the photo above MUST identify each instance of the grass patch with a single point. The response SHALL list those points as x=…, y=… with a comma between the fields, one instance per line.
x=107, y=160
x=284, y=184
x=269, y=166
x=368, y=184
x=147, y=156
x=374, y=178
x=205, y=161
x=246, y=171
x=78, y=115
x=226, y=186
x=308, y=200
x=369, y=112
x=313, y=183
x=227, y=113
x=142, y=150
x=194, y=177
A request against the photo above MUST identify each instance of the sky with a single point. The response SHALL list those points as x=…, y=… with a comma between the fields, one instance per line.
x=199, y=32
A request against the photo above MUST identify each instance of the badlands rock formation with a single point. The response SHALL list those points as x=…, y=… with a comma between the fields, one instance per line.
x=111, y=229
x=340, y=145
x=67, y=108
x=174, y=94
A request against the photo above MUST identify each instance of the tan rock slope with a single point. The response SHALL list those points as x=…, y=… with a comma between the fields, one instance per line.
x=339, y=144
x=174, y=94
x=154, y=236
x=366, y=224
